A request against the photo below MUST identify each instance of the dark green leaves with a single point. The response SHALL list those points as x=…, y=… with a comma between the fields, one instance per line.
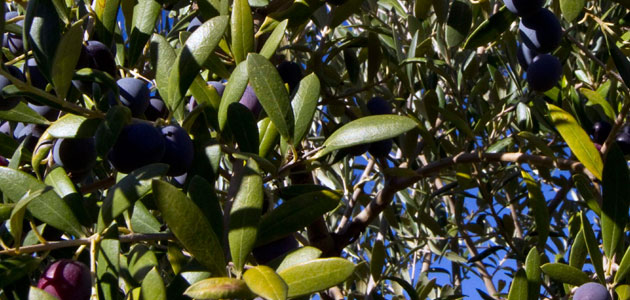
x=190, y=226
x=234, y=89
x=316, y=275
x=295, y=214
x=194, y=55
x=539, y=207
x=458, y=23
x=579, y=142
x=491, y=29
x=243, y=127
x=518, y=289
x=242, y=29
x=616, y=188
x=366, y=130
x=43, y=29
x=163, y=57
x=47, y=207
x=245, y=213
x=271, y=92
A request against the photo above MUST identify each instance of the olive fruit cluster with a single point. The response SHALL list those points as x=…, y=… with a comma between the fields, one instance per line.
x=540, y=33
x=601, y=130
x=67, y=280
x=140, y=144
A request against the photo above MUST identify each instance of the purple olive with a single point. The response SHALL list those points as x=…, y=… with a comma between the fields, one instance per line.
x=524, y=8
x=291, y=74
x=544, y=72
x=67, y=280
x=525, y=55
x=601, y=129
x=134, y=94
x=623, y=140
x=75, y=155
x=591, y=291
x=178, y=150
x=541, y=31
x=138, y=145
x=250, y=100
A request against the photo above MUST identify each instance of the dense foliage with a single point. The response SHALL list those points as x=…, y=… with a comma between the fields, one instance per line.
x=283, y=149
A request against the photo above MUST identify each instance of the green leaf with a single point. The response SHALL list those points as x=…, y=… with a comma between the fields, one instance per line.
x=125, y=192
x=243, y=127
x=106, y=14
x=304, y=105
x=48, y=207
x=15, y=268
x=366, y=130
x=263, y=281
x=7, y=144
x=73, y=126
x=615, y=190
x=203, y=194
x=22, y=113
x=620, y=59
x=190, y=226
x=577, y=257
x=538, y=205
x=271, y=92
x=145, y=13
x=66, y=58
x=245, y=213
x=163, y=58
x=295, y=214
x=413, y=295
x=593, y=247
x=219, y=288
x=39, y=294
x=519, y=288
x=421, y=8
x=242, y=29
x=316, y=275
x=140, y=261
x=43, y=29
x=233, y=92
x=143, y=221
x=377, y=260
x=458, y=23
x=274, y=39
x=575, y=137
x=532, y=270
x=153, y=286
x=194, y=55
x=62, y=10
x=624, y=267
x=108, y=263
x=491, y=29
x=595, y=99
x=565, y=273
x=571, y=9
x=588, y=192
x=107, y=132
x=301, y=255
x=17, y=214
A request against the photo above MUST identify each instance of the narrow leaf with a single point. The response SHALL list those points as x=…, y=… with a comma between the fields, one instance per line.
x=366, y=130
x=73, y=126
x=274, y=39
x=153, y=286
x=624, y=267
x=66, y=58
x=615, y=191
x=245, y=213
x=145, y=14
x=316, y=275
x=571, y=9
x=295, y=214
x=190, y=226
x=565, y=273
x=536, y=202
x=458, y=23
x=532, y=270
x=519, y=289
x=243, y=127
x=491, y=29
x=299, y=256
x=219, y=288
x=162, y=58
x=304, y=105
x=575, y=137
x=271, y=92
x=242, y=29
x=263, y=281
x=593, y=247
x=234, y=89
x=595, y=99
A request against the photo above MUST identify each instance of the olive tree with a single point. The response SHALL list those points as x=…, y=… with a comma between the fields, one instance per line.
x=359, y=149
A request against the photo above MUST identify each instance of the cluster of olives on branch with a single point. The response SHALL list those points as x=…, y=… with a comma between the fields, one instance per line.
x=601, y=130
x=540, y=33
